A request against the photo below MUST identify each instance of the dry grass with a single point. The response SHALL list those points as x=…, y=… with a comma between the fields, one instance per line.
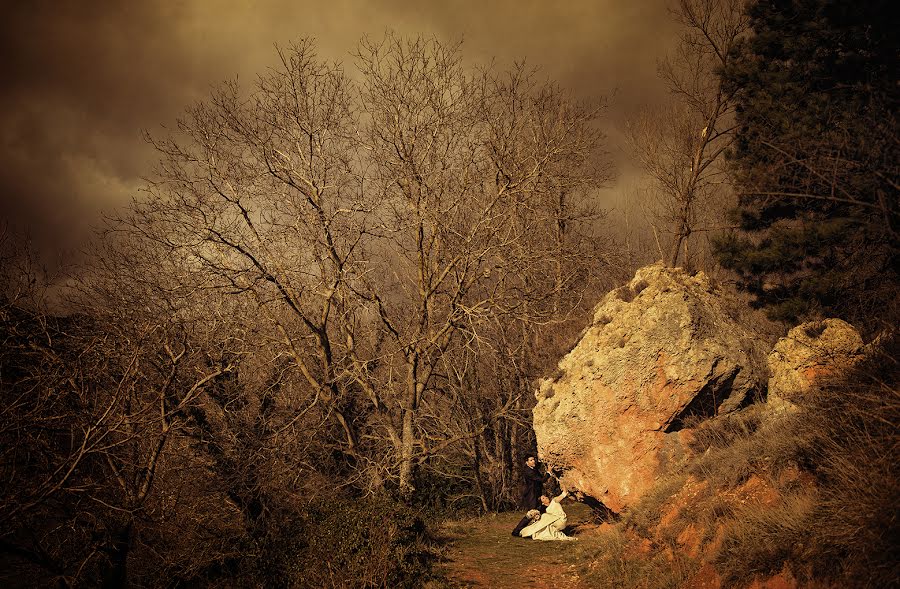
x=724, y=431
x=618, y=564
x=646, y=515
x=856, y=527
x=755, y=540
x=730, y=449
x=835, y=518
x=758, y=542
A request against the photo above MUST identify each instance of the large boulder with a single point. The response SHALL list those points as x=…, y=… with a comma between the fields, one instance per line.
x=807, y=356
x=661, y=350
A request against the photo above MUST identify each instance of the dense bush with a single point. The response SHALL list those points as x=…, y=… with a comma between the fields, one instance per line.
x=347, y=542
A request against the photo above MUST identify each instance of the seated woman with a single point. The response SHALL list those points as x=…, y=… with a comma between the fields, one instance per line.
x=550, y=525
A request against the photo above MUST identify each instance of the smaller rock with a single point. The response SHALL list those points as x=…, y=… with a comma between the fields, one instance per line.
x=810, y=353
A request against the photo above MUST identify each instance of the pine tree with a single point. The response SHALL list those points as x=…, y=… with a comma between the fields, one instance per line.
x=815, y=160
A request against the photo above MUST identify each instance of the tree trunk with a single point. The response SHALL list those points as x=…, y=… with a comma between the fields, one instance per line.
x=676, y=249
x=407, y=434
x=476, y=444
x=406, y=454
x=116, y=575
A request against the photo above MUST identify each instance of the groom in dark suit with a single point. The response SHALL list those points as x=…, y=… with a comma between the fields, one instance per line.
x=533, y=486
x=532, y=489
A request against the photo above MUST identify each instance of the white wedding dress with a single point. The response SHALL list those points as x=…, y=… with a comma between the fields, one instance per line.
x=550, y=526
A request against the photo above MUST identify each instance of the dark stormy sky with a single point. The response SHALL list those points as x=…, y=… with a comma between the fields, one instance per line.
x=83, y=79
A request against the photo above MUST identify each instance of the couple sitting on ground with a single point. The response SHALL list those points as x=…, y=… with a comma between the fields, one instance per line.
x=545, y=523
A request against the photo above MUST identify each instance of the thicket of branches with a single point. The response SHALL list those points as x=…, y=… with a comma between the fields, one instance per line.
x=337, y=288
x=681, y=147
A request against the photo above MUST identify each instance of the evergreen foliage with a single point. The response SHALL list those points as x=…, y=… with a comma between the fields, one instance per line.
x=815, y=159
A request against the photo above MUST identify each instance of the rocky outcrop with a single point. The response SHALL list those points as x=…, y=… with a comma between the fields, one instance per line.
x=664, y=349
x=810, y=353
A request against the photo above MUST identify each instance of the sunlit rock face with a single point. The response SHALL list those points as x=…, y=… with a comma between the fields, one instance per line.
x=809, y=354
x=665, y=350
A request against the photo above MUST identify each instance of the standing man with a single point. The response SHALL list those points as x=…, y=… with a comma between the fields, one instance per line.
x=533, y=487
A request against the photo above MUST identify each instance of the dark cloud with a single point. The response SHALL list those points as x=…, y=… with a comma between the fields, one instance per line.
x=83, y=79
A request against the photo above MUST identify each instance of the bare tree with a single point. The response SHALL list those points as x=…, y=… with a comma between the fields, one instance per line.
x=316, y=291
x=681, y=147
x=91, y=401
x=375, y=225
x=260, y=196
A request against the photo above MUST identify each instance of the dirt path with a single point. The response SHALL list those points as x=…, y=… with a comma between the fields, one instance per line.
x=482, y=553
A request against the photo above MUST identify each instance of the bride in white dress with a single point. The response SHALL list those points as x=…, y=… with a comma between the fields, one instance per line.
x=552, y=522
